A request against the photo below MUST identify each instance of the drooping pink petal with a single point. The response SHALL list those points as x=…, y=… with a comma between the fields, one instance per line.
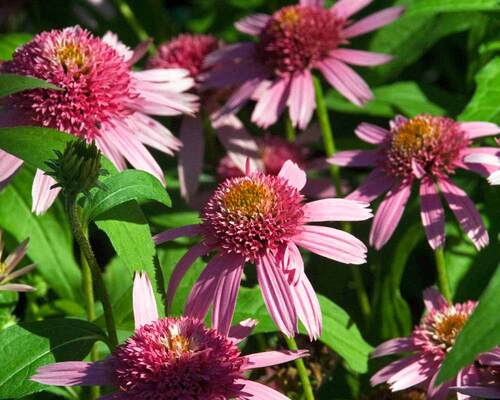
x=270, y=358
x=346, y=8
x=438, y=392
x=393, y=346
x=465, y=212
x=231, y=53
x=74, y=373
x=171, y=234
x=293, y=174
x=336, y=210
x=308, y=308
x=17, y=255
x=376, y=183
x=319, y=188
x=239, y=97
x=374, y=21
x=9, y=164
x=479, y=158
x=293, y=264
x=312, y=3
x=145, y=309
x=111, y=152
x=370, y=133
x=389, y=214
x=355, y=158
x=225, y=297
x=181, y=268
x=16, y=287
x=432, y=213
x=491, y=357
x=331, y=243
x=41, y=192
x=256, y=391
x=433, y=299
x=190, y=163
x=234, y=74
x=239, y=332
x=301, y=100
x=271, y=102
x=360, y=57
x=277, y=295
x=252, y=24
x=348, y=83
x=20, y=272
x=410, y=375
x=388, y=371
x=476, y=130
x=479, y=391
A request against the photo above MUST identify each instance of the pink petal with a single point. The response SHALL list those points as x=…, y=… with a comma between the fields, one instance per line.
x=191, y=155
x=270, y=358
x=478, y=158
x=301, y=101
x=432, y=213
x=271, y=103
x=20, y=272
x=145, y=310
x=312, y=3
x=319, y=188
x=346, y=8
x=389, y=214
x=8, y=165
x=239, y=332
x=410, y=375
x=240, y=97
x=74, y=373
x=371, y=133
x=491, y=358
x=479, y=391
x=355, y=158
x=107, y=148
x=171, y=234
x=336, y=210
x=16, y=287
x=434, y=300
x=140, y=51
x=331, y=243
x=398, y=345
x=348, y=83
x=181, y=268
x=17, y=255
x=494, y=178
x=277, y=295
x=476, y=130
x=292, y=262
x=308, y=308
x=376, y=183
x=161, y=74
x=231, y=53
x=225, y=298
x=252, y=24
x=41, y=192
x=256, y=391
x=465, y=212
x=293, y=174
x=439, y=392
x=374, y=21
x=359, y=57
x=388, y=371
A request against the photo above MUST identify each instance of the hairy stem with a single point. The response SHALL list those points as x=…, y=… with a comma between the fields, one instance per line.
x=301, y=368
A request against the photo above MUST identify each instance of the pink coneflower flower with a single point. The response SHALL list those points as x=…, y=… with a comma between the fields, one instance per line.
x=7, y=267
x=429, y=343
x=427, y=149
x=261, y=219
x=486, y=384
x=101, y=99
x=189, y=51
x=276, y=70
x=172, y=358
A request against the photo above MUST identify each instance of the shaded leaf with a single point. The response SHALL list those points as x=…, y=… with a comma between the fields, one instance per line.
x=11, y=83
x=10, y=42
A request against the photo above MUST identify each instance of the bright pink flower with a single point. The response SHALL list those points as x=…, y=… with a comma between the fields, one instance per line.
x=173, y=358
x=427, y=149
x=262, y=219
x=429, y=344
x=7, y=267
x=101, y=99
x=276, y=70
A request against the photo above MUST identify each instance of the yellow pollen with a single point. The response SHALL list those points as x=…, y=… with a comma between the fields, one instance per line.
x=70, y=55
x=177, y=344
x=414, y=134
x=289, y=17
x=448, y=327
x=248, y=198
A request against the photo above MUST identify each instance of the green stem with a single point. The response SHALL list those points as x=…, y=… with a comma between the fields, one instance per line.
x=444, y=284
x=289, y=129
x=131, y=19
x=88, y=253
x=301, y=368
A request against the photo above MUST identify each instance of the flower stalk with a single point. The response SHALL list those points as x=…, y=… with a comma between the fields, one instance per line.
x=442, y=273
x=301, y=368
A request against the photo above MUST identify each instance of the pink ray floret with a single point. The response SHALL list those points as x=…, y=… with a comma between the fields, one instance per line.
x=8, y=270
x=262, y=219
x=428, y=150
x=173, y=358
x=101, y=99
x=275, y=71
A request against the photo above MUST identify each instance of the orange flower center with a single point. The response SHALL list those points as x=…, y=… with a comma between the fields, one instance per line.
x=248, y=198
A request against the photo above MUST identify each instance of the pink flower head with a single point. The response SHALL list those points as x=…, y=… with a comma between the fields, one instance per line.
x=101, y=99
x=8, y=265
x=262, y=219
x=172, y=358
x=427, y=149
x=429, y=343
x=276, y=70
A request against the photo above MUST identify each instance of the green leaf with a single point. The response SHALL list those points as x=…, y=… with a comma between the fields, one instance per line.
x=27, y=347
x=10, y=42
x=484, y=103
x=11, y=83
x=401, y=97
x=125, y=186
x=51, y=243
x=452, y=6
x=481, y=332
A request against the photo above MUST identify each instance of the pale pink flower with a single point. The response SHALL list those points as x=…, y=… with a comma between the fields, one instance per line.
x=429, y=343
x=7, y=268
x=101, y=99
x=172, y=358
x=276, y=69
x=189, y=52
x=424, y=149
x=261, y=219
